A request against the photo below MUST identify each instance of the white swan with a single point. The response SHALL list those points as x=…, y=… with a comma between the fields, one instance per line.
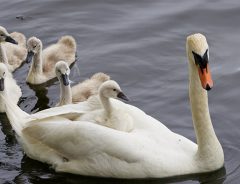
x=43, y=67
x=80, y=92
x=150, y=150
x=8, y=87
x=5, y=37
x=16, y=53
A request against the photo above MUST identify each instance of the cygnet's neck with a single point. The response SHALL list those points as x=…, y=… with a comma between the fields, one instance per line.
x=208, y=144
x=37, y=65
x=3, y=56
x=105, y=103
x=65, y=94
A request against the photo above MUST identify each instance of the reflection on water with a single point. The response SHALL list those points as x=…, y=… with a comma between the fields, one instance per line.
x=141, y=44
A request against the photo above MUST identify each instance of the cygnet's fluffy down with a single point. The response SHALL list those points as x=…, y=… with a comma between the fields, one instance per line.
x=16, y=54
x=109, y=115
x=79, y=92
x=89, y=87
x=64, y=49
x=43, y=61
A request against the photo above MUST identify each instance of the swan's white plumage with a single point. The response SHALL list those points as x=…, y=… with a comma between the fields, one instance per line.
x=11, y=89
x=150, y=150
x=43, y=64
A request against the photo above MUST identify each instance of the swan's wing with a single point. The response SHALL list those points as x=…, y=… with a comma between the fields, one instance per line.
x=69, y=110
x=93, y=103
x=79, y=139
x=62, y=110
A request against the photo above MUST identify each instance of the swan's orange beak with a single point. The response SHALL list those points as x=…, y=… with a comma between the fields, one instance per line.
x=205, y=77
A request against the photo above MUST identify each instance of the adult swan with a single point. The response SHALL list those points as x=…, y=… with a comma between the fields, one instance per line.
x=150, y=150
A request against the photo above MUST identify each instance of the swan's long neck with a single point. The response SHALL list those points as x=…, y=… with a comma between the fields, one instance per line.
x=15, y=115
x=209, y=147
x=3, y=56
x=65, y=94
x=105, y=103
x=37, y=64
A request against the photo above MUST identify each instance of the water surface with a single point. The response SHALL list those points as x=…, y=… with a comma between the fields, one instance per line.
x=141, y=44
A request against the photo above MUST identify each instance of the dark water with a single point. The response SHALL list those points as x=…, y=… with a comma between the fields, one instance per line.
x=141, y=44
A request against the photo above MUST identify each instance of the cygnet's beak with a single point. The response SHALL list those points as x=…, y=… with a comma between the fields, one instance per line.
x=29, y=57
x=11, y=40
x=65, y=79
x=2, y=84
x=122, y=96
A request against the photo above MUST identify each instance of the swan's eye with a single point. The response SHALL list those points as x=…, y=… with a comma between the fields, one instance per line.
x=201, y=61
x=3, y=73
x=114, y=90
x=1, y=34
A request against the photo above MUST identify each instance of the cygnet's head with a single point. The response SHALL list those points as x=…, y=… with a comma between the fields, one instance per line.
x=198, y=53
x=62, y=71
x=34, y=45
x=5, y=37
x=111, y=89
x=3, y=73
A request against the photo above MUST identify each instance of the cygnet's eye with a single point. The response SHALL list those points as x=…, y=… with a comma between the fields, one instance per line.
x=1, y=34
x=114, y=89
x=34, y=46
x=4, y=73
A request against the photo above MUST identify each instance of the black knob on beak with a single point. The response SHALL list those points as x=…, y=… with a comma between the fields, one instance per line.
x=208, y=88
